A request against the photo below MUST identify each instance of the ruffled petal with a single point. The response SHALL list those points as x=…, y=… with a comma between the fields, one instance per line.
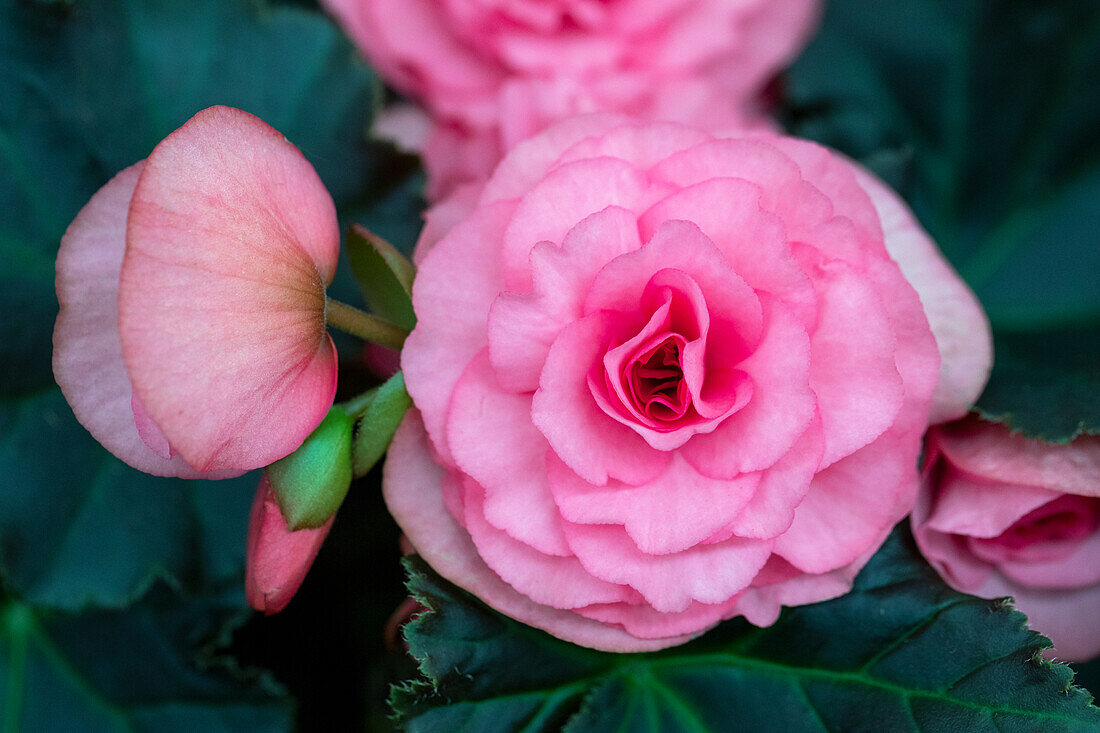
x=493, y=441
x=411, y=485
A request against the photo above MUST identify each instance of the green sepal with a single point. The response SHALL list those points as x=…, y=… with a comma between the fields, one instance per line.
x=311, y=483
x=379, y=421
x=384, y=275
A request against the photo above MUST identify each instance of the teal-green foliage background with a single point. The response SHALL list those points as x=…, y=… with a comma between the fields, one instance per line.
x=121, y=605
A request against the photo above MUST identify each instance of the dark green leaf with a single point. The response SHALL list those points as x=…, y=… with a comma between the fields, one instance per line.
x=80, y=528
x=128, y=671
x=384, y=274
x=311, y=483
x=985, y=116
x=378, y=423
x=1044, y=383
x=901, y=652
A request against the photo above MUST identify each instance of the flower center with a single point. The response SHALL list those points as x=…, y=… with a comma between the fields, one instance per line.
x=656, y=381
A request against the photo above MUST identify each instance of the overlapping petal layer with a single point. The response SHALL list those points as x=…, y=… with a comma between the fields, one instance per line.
x=664, y=379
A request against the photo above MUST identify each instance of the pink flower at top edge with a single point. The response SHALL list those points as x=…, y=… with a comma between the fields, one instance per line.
x=492, y=74
x=191, y=337
x=664, y=378
x=1001, y=515
x=277, y=558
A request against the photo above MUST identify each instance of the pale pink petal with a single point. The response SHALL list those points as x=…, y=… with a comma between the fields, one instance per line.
x=644, y=146
x=522, y=327
x=557, y=582
x=148, y=430
x=782, y=488
x=645, y=622
x=450, y=328
x=1079, y=568
x=87, y=356
x=946, y=552
x=675, y=511
x=586, y=439
x=444, y=216
x=852, y=369
x=977, y=507
x=781, y=408
x=958, y=322
x=835, y=176
x=564, y=197
x=680, y=245
x=230, y=242
x=836, y=522
x=404, y=125
x=412, y=489
x=529, y=161
x=392, y=34
x=801, y=207
x=728, y=211
x=991, y=450
x=278, y=559
x=708, y=573
x=760, y=605
x=492, y=440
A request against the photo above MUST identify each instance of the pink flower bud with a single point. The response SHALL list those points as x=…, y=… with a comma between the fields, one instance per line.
x=278, y=559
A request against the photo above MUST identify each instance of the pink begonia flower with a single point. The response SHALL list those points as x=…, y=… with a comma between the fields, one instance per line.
x=493, y=72
x=662, y=379
x=191, y=339
x=277, y=559
x=1001, y=515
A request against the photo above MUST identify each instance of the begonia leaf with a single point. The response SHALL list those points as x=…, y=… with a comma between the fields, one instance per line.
x=78, y=528
x=901, y=652
x=141, y=669
x=311, y=483
x=379, y=422
x=984, y=115
x=384, y=274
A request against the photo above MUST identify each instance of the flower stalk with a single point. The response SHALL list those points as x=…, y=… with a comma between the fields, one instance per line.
x=363, y=325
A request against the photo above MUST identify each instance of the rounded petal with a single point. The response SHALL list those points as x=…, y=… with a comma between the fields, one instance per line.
x=708, y=573
x=557, y=582
x=450, y=327
x=230, y=242
x=493, y=441
x=990, y=450
x=958, y=322
x=412, y=488
x=700, y=506
x=87, y=356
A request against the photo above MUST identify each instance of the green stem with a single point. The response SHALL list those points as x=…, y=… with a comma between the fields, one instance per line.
x=364, y=325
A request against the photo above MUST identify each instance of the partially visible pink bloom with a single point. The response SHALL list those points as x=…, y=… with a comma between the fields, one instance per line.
x=494, y=72
x=277, y=559
x=1000, y=515
x=663, y=378
x=191, y=338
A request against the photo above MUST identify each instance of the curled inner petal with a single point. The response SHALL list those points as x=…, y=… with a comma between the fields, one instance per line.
x=656, y=380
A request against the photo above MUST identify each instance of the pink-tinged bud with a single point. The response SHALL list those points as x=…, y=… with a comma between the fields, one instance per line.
x=191, y=337
x=278, y=559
